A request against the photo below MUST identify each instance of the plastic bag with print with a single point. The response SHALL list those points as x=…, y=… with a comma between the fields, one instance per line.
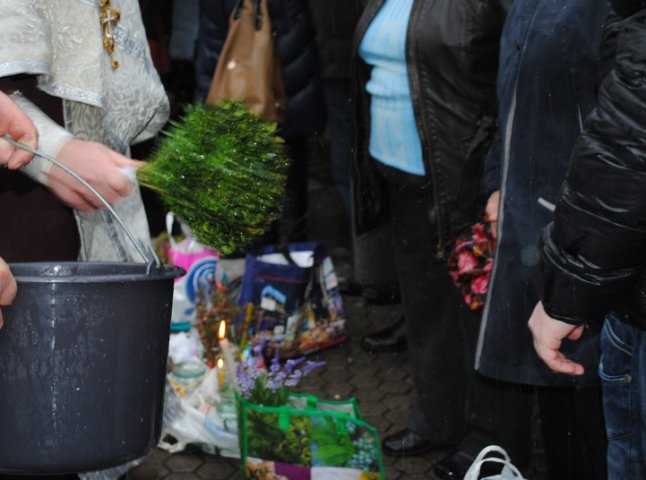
x=290, y=297
x=201, y=265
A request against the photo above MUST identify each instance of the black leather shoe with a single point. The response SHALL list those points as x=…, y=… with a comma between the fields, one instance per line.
x=455, y=465
x=407, y=443
x=389, y=340
x=381, y=295
x=349, y=287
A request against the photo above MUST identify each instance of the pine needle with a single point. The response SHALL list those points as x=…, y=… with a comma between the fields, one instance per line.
x=223, y=171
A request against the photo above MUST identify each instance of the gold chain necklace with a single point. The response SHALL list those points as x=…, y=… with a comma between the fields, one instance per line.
x=109, y=18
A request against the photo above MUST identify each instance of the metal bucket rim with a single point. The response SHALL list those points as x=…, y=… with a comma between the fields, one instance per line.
x=142, y=274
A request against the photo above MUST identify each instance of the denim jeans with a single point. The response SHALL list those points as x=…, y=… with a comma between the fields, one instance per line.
x=622, y=366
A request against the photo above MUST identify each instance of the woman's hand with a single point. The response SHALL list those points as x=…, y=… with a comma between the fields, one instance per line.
x=491, y=212
x=15, y=123
x=99, y=165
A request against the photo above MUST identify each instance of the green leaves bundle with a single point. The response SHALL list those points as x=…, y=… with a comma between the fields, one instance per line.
x=223, y=171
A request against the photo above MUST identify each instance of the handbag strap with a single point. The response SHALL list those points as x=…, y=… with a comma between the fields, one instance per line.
x=492, y=449
x=474, y=470
x=283, y=248
x=258, y=14
x=237, y=12
x=484, y=456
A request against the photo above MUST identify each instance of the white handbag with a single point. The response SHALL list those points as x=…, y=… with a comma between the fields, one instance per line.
x=509, y=470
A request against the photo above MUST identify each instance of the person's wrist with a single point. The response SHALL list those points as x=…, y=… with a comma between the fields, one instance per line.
x=51, y=139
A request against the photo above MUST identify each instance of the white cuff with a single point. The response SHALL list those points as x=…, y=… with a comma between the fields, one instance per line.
x=51, y=138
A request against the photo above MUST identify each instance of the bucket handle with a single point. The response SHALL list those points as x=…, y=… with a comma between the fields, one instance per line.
x=147, y=253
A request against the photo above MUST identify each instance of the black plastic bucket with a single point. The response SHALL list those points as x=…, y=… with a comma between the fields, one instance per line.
x=82, y=365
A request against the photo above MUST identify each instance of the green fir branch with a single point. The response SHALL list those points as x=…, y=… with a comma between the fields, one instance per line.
x=223, y=171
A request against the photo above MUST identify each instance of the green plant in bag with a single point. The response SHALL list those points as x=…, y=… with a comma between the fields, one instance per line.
x=272, y=387
x=338, y=444
x=334, y=447
x=290, y=443
x=268, y=441
x=222, y=170
x=277, y=426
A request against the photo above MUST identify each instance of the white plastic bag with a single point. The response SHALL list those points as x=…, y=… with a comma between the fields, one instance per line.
x=185, y=347
x=509, y=470
x=200, y=263
x=202, y=417
x=336, y=473
x=113, y=473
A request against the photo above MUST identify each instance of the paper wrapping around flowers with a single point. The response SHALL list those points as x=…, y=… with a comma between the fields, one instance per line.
x=471, y=262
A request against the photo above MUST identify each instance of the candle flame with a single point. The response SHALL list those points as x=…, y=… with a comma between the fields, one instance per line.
x=220, y=363
x=222, y=330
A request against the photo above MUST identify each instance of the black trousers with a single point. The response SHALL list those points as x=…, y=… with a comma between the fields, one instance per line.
x=453, y=405
x=291, y=226
x=573, y=433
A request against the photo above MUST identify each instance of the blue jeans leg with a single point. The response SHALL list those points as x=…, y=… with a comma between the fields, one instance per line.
x=623, y=363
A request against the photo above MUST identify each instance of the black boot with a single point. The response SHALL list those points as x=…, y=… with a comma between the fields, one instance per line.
x=391, y=339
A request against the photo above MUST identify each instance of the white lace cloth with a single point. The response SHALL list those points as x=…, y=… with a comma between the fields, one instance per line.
x=61, y=42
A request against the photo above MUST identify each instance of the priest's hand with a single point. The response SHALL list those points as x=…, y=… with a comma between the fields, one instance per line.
x=100, y=166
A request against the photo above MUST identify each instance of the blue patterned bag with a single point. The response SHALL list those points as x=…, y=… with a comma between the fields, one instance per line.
x=297, y=306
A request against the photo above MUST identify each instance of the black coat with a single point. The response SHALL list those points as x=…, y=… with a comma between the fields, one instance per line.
x=452, y=75
x=296, y=48
x=594, y=254
x=547, y=83
x=335, y=22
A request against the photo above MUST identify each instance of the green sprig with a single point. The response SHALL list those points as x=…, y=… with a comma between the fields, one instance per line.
x=223, y=171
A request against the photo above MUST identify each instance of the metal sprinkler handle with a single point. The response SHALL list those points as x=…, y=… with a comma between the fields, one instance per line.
x=148, y=254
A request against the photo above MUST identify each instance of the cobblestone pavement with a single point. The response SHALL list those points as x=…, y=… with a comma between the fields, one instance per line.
x=382, y=384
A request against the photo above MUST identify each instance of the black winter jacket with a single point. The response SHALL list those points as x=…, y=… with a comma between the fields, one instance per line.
x=594, y=253
x=296, y=47
x=452, y=54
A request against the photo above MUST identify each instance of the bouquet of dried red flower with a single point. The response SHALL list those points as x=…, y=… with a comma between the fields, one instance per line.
x=471, y=262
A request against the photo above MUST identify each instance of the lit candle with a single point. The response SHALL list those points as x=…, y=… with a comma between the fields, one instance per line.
x=220, y=365
x=225, y=350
